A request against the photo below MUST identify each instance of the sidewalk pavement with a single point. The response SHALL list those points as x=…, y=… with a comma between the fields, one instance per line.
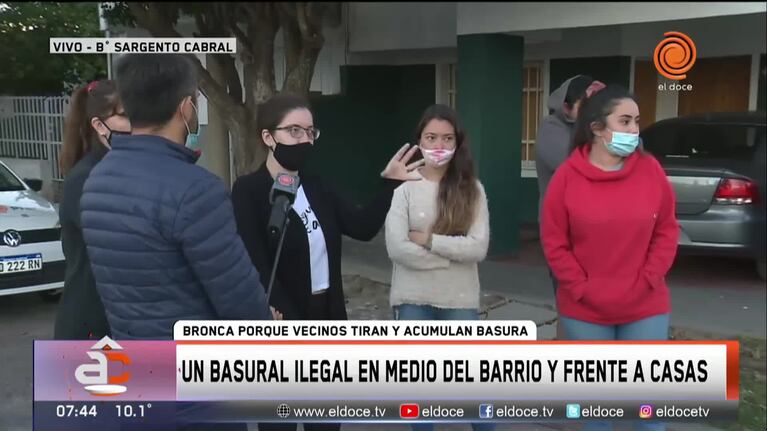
x=520, y=289
x=724, y=299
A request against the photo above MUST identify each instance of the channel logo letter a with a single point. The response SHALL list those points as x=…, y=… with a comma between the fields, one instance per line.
x=95, y=376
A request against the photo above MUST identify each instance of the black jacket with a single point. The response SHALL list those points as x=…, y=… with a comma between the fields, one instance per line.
x=80, y=313
x=291, y=293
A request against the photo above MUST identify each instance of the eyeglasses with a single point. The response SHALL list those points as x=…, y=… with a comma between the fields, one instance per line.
x=299, y=132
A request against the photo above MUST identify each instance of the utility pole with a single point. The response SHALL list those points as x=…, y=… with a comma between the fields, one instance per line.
x=104, y=26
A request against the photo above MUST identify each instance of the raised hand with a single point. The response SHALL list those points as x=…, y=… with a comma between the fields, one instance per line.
x=398, y=167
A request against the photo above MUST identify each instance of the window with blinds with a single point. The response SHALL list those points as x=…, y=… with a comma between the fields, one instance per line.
x=532, y=99
x=532, y=106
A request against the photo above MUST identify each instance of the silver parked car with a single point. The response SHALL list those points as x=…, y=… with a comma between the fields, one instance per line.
x=716, y=163
x=31, y=257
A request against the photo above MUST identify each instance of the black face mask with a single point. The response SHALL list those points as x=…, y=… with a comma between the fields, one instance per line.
x=292, y=157
x=113, y=133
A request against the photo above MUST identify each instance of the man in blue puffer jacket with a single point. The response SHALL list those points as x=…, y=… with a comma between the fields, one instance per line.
x=160, y=230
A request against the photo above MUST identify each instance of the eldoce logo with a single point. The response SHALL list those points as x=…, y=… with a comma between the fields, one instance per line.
x=675, y=55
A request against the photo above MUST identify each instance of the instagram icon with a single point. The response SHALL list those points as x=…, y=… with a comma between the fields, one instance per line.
x=645, y=411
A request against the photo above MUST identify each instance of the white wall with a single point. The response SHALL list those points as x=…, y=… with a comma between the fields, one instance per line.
x=405, y=57
x=393, y=26
x=714, y=37
x=327, y=72
x=479, y=17
x=576, y=42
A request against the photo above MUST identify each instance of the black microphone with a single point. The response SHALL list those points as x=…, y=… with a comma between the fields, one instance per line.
x=281, y=197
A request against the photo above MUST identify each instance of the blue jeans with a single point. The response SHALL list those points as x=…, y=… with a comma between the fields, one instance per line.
x=427, y=312
x=651, y=328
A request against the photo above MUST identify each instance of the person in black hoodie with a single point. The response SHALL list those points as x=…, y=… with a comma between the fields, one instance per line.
x=95, y=116
x=308, y=282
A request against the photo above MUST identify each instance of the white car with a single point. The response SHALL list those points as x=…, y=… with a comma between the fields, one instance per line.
x=31, y=257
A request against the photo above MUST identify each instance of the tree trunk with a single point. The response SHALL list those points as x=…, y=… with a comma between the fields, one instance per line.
x=299, y=80
x=304, y=41
x=249, y=152
x=215, y=155
x=238, y=131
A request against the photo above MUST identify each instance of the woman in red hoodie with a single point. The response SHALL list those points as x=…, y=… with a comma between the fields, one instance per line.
x=609, y=231
x=608, y=227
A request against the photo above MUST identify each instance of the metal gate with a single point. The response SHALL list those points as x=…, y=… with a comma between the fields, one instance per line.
x=32, y=128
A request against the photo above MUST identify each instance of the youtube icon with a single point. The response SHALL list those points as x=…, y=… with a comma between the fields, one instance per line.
x=409, y=411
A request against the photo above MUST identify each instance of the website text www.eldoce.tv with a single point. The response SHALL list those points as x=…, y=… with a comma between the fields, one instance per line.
x=338, y=412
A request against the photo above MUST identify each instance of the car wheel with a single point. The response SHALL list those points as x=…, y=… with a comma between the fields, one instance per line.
x=50, y=295
x=761, y=268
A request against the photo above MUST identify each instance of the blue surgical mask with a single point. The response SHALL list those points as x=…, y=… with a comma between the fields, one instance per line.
x=623, y=144
x=192, y=139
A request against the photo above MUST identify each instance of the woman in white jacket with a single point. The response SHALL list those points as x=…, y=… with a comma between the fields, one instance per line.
x=437, y=230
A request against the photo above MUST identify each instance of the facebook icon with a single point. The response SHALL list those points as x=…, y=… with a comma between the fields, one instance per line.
x=485, y=411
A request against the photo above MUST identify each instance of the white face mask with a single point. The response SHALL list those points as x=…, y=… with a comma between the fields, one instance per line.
x=437, y=157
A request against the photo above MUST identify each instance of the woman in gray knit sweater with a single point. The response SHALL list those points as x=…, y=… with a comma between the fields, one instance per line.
x=438, y=229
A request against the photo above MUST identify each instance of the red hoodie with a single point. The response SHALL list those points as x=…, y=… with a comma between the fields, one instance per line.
x=610, y=238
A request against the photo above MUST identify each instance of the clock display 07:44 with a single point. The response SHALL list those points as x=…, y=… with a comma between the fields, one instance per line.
x=73, y=411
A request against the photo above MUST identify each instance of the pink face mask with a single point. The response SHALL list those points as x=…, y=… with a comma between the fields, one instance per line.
x=437, y=157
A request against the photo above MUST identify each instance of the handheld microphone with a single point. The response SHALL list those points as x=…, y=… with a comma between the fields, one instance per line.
x=281, y=197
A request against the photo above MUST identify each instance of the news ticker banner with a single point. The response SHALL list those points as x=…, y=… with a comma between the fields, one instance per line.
x=142, y=45
x=366, y=371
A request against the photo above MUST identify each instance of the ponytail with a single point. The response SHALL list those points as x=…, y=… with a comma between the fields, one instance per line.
x=596, y=109
x=77, y=132
x=97, y=99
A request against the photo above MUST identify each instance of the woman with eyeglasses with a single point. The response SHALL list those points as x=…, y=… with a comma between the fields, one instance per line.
x=95, y=116
x=308, y=282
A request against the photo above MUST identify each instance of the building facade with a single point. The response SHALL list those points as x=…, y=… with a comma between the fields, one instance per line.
x=496, y=63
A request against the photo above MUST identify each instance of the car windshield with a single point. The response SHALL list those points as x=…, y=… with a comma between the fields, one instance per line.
x=8, y=182
x=705, y=141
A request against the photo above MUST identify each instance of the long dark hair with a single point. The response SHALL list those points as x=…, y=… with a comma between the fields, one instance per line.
x=99, y=99
x=458, y=191
x=596, y=109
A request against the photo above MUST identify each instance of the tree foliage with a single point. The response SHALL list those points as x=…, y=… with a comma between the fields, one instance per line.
x=256, y=26
x=28, y=67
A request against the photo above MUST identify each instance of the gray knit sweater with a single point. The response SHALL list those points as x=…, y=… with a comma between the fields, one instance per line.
x=445, y=276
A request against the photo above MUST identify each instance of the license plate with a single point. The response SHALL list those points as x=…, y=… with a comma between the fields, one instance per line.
x=26, y=263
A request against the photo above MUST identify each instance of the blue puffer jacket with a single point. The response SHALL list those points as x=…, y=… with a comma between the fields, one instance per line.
x=163, y=243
